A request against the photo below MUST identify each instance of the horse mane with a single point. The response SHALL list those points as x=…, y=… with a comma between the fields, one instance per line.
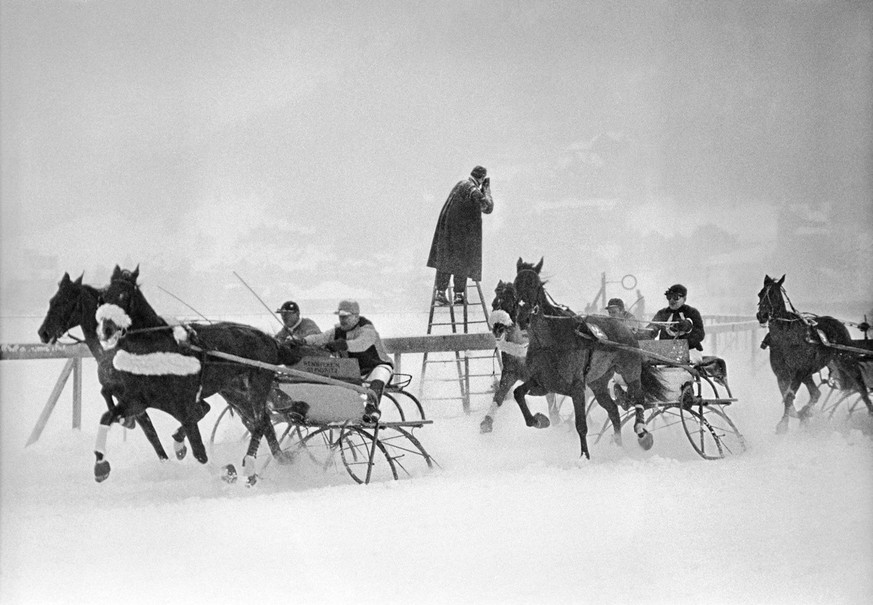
x=143, y=315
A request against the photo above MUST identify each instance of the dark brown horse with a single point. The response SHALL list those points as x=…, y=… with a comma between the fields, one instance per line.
x=566, y=353
x=512, y=341
x=168, y=368
x=797, y=350
x=75, y=305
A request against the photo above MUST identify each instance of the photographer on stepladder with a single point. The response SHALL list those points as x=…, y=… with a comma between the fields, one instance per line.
x=456, y=250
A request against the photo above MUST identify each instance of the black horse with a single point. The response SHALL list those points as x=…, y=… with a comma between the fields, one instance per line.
x=566, y=353
x=75, y=305
x=797, y=350
x=513, y=340
x=169, y=368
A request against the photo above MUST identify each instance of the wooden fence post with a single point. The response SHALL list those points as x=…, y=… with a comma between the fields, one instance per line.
x=52, y=401
x=77, y=393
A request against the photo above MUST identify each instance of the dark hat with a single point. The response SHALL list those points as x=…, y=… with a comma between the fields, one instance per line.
x=677, y=289
x=615, y=302
x=288, y=306
x=478, y=172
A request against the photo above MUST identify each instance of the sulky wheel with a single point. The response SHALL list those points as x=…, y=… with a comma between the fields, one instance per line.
x=318, y=447
x=391, y=409
x=409, y=404
x=228, y=428
x=729, y=436
x=700, y=433
x=364, y=457
x=404, y=449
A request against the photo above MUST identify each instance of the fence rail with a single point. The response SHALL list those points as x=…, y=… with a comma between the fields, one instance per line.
x=716, y=326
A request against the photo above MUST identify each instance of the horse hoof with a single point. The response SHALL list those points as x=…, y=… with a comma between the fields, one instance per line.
x=228, y=474
x=101, y=471
x=251, y=480
x=487, y=425
x=539, y=421
x=646, y=440
x=781, y=428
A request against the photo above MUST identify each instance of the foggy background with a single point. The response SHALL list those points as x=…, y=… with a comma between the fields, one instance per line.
x=309, y=146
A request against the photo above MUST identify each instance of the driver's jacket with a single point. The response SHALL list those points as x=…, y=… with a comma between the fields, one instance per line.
x=363, y=341
x=694, y=337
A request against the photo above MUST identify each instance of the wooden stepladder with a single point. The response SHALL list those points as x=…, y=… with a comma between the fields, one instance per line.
x=468, y=317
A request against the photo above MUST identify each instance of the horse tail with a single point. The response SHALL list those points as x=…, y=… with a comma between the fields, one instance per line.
x=653, y=385
x=848, y=374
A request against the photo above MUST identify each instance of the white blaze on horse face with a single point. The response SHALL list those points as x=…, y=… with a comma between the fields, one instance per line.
x=111, y=323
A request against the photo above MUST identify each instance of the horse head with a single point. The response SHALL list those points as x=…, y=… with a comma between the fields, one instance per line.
x=505, y=298
x=64, y=311
x=770, y=301
x=124, y=307
x=528, y=289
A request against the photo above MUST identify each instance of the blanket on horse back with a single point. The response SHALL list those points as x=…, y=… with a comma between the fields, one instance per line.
x=675, y=350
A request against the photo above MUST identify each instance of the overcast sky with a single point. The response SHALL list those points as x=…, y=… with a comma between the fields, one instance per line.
x=323, y=137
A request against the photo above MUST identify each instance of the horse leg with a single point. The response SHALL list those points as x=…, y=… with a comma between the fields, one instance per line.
x=789, y=391
x=107, y=392
x=581, y=422
x=269, y=432
x=192, y=431
x=636, y=395
x=179, y=447
x=507, y=379
x=101, y=464
x=250, y=459
x=814, y=394
x=600, y=388
x=145, y=422
x=535, y=420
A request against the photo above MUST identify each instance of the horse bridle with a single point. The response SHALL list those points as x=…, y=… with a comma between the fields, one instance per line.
x=77, y=307
x=771, y=308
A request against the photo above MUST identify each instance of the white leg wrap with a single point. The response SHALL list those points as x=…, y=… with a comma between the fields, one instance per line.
x=492, y=411
x=178, y=446
x=100, y=445
x=249, y=466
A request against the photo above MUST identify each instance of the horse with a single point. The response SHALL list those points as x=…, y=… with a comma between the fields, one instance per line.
x=175, y=368
x=75, y=305
x=797, y=351
x=512, y=342
x=566, y=353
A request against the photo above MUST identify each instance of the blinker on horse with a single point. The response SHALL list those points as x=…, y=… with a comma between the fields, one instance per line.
x=797, y=351
x=160, y=369
x=564, y=356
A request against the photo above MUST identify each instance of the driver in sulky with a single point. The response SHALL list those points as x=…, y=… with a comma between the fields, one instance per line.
x=356, y=336
x=679, y=320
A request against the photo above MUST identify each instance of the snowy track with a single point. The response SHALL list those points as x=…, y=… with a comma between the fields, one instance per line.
x=512, y=516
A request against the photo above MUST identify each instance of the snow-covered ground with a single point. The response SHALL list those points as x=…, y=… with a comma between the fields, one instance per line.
x=510, y=517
